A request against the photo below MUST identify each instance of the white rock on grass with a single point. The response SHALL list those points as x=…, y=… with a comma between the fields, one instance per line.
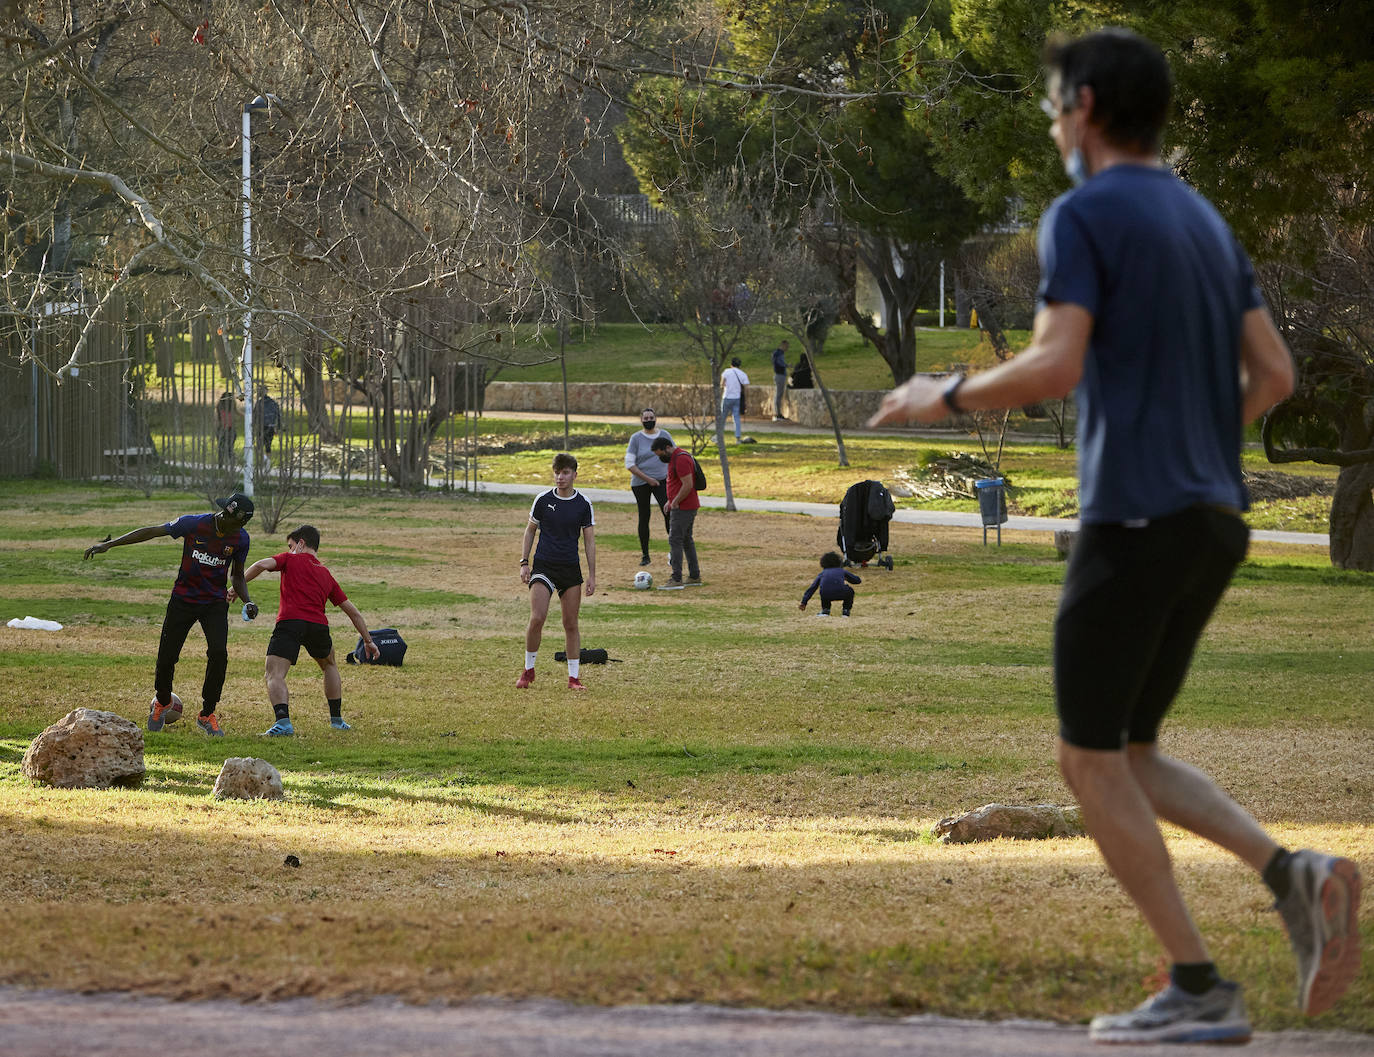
x=87, y=749
x=1014, y=821
x=248, y=778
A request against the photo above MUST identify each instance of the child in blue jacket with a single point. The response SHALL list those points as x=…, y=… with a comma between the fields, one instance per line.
x=833, y=584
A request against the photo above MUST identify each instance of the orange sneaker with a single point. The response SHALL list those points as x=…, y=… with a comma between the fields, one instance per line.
x=210, y=724
x=526, y=677
x=574, y=683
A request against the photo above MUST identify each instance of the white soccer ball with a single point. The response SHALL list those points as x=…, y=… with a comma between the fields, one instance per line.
x=643, y=581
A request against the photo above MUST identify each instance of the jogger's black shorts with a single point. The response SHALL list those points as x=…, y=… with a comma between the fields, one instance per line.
x=1135, y=603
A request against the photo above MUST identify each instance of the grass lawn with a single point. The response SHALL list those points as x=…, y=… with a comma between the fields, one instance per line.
x=617, y=352
x=804, y=468
x=740, y=812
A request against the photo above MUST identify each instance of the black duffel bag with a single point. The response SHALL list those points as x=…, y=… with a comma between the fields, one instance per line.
x=587, y=656
x=389, y=641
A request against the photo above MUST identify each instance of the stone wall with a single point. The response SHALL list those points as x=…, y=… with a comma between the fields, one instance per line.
x=806, y=407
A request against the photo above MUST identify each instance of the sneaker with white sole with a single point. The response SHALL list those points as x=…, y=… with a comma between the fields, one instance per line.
x=1320, y=913
x=210, y=724
x=672, y=584
x=338, y=723
x=574, y=683
x=282, y=728
x=1174, y=1015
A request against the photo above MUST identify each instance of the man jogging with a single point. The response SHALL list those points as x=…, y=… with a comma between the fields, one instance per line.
x=212, y=551
x=1149, y=308
x=301, y=621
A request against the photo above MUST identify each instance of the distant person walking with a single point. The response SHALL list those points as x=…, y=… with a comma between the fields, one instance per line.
x=1149, y=307
x=212, y=552
x=683, y=503
x=732, y=384
x=301, y=621
x=224, y=429
x=648, y=476
x=560, y=516
x=779, y=379
x=266, y=422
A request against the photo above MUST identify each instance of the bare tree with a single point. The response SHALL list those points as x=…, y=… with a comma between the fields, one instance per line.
x=722, y=261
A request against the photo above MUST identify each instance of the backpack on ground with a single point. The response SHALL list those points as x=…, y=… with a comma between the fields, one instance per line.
x=389, y=641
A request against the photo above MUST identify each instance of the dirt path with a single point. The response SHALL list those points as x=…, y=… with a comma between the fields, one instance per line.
x=58, y=1024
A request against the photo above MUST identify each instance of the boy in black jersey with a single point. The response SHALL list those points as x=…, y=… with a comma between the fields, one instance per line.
x=560, y=515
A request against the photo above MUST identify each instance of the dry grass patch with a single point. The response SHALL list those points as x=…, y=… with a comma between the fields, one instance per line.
x=740, y=812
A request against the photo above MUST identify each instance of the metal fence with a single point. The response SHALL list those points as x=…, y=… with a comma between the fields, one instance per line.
x=162, y=402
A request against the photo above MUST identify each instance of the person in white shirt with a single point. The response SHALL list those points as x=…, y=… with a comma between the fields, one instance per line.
x=648, y=476
x=732, y=383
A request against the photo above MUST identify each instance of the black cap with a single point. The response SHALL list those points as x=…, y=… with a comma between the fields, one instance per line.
x=237, y=504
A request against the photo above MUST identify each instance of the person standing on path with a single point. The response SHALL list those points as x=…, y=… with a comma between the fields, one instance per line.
x=559, y=515
x=1149, y=310
x=301, y=621
x=683, y=503
x=212, y=552
x=779, y=379
x=648, y=475
x=732, y=383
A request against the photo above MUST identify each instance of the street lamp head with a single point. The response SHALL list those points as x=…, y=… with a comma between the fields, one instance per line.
x=262, y=102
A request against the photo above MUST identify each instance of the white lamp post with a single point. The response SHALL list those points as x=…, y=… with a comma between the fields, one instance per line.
x=259, y=103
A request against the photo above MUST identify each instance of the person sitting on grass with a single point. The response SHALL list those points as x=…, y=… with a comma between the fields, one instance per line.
x=301, y=621
x=833, y=583
x=560, y=515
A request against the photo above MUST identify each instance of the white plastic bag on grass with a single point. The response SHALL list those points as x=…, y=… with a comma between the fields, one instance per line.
x=35, y=624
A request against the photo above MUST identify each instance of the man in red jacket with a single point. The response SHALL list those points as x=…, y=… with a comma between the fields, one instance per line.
x=683, y=504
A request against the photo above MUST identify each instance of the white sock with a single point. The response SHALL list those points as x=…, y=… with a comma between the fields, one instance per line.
x=574, y=667
x=530, y=658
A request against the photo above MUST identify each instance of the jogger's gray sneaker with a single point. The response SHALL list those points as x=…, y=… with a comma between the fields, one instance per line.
x=1174, y=1015
x=1320, y=914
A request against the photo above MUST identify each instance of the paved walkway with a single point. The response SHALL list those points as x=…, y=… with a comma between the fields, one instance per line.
x=58, y=1024
x=910, y=517
x=832, y=510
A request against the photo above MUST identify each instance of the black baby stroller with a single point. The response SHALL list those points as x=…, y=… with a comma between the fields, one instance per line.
x=865, y=510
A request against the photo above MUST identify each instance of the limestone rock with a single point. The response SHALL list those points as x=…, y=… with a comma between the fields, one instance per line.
x=87, y=749
x=1063, y=541
x=248, y=778
x=1016, y=821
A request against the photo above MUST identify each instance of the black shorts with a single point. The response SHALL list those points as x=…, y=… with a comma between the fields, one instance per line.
x=556, y=576
x=290, y=635
x=1135, y=603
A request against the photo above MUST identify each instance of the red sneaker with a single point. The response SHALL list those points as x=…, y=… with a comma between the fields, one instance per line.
x=574, y=683
x=526, y=677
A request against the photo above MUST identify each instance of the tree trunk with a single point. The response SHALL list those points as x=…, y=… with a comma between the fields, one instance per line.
x=716, y=359
x=829, y=402
x=1352, y=519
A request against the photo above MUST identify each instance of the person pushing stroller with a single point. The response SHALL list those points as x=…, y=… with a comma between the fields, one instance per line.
x=833, y=584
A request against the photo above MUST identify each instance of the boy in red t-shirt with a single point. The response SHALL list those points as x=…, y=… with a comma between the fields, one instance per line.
x=305, y=586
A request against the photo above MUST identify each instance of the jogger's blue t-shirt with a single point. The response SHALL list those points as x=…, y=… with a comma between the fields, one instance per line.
x=1159, y=400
